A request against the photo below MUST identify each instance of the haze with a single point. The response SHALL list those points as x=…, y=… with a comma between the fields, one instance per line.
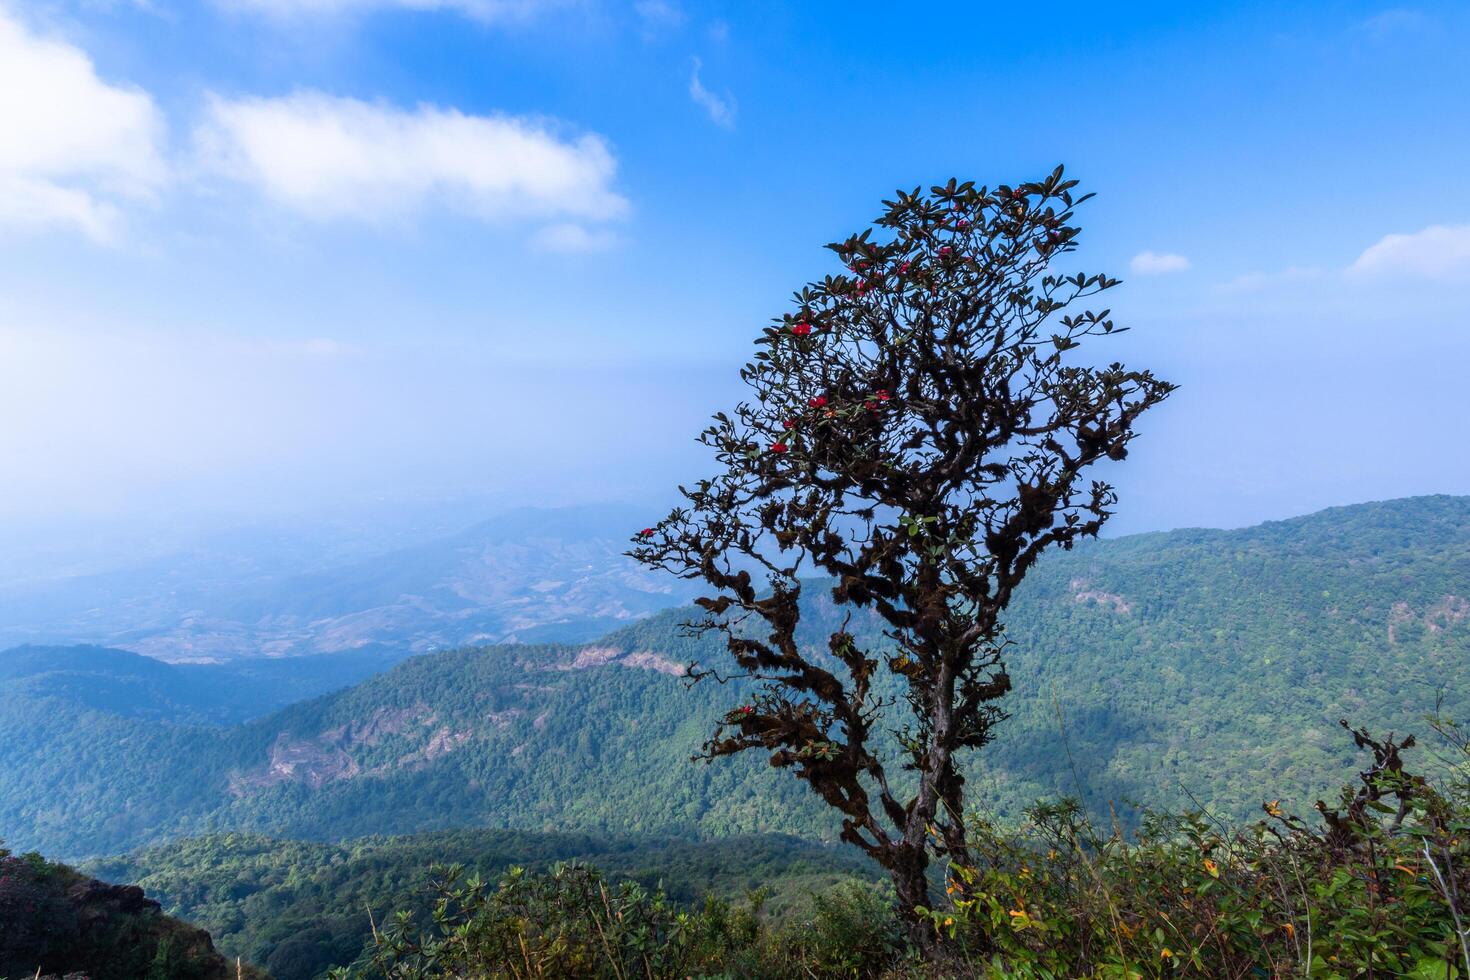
x=274, y=261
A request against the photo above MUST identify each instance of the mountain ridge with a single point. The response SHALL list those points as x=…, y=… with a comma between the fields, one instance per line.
x=528, y=574
x=1182, y=663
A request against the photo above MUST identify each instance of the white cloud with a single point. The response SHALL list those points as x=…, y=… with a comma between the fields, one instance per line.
x=337, y=158
x=71, y=145
x=721, y=109
x=569, y=237
x=1439, y=252
x=485, y=10
x=1157, y=263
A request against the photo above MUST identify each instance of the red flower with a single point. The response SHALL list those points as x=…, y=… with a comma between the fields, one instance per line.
x=779, y=447
x=647, y=532
x=788, y=424
x=903, y=269
x=883, y=395
x=801, y=329
x=962, y=224
x=944, y=251
x=817, y=402
x=870, y=405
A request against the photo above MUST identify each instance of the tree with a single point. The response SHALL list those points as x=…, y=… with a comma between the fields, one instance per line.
x=919, y=432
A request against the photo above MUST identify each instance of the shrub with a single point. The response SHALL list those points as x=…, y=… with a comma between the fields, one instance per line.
x=1375, y=888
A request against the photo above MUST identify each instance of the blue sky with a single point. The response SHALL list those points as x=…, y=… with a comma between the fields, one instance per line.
x=259, y=256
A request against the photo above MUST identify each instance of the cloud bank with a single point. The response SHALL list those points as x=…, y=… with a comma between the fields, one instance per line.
x=337, y=158
x=72, y=146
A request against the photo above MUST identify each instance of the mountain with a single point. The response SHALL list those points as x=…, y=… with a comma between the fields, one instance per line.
x=530, y=574
x=1190, y=666
x=134, y=686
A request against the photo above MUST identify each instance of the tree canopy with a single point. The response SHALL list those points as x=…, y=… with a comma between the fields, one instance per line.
x=921, y=428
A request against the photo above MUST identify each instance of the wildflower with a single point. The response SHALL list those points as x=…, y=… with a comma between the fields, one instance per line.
x=949, y=920
x=801, y=329
x=1166, y=953
x=779, y=448
x=1272, y=808
x=647, y=532
x=1290, y=929
x=818, y=402
x=746, y=709
x=1212, y=868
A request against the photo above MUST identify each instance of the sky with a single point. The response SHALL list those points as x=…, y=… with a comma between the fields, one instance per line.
x=264, y=257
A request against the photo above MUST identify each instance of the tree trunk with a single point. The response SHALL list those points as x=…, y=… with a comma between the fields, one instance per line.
x=908, y=869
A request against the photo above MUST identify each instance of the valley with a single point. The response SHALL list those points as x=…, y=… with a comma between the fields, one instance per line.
x=1189, y=666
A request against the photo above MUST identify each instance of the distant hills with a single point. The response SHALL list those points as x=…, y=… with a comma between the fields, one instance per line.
x=131, y=685
x=527, y=575
x=1196, y=665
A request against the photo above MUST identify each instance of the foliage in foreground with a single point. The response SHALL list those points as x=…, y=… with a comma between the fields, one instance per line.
x=1377, y=887
x=297, y=908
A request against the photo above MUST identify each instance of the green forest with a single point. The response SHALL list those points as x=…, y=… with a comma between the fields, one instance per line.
x=1188, y=672
x=298, y=908
x=1182, y=668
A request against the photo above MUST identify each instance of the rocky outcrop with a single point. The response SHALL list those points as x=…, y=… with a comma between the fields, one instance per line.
x=1084, y=593
x=592, y=656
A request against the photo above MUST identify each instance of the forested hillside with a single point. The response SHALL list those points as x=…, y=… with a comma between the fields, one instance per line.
x=133, y=686
x=55, y=921
x=297, y=908
x=1163, y=668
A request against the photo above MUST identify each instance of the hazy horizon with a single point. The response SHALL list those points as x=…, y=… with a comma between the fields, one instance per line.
x=390, y=268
